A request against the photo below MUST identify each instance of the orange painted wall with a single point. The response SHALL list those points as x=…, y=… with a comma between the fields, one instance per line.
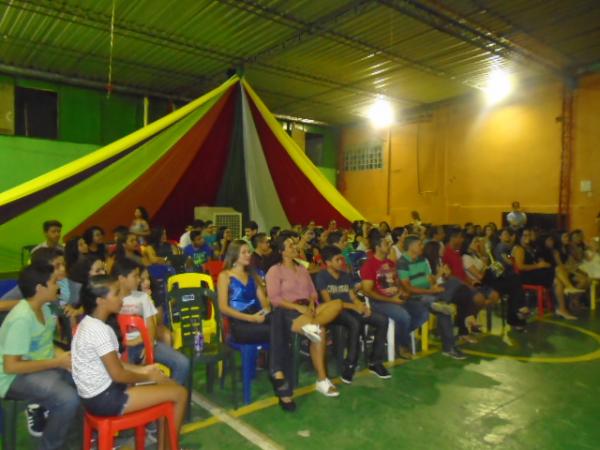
x=586, y=164
x=468, y=162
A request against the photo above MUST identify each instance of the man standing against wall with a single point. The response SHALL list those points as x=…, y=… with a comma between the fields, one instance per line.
x=516, y=219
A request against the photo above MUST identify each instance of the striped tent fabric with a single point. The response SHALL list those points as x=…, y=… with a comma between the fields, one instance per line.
x=223, y=149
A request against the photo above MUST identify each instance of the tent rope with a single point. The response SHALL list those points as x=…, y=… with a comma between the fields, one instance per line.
x=110, y=57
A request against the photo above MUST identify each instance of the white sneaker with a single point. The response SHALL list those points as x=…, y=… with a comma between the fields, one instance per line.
x=312, y=332
x=327, y=388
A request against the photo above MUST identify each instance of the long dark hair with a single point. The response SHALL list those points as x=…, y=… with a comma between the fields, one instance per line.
x=144, y=214
x=120, y=254
x=232, y=255
x=72, y=252
x=79, y=272
x=431, y=252
x=155, y=237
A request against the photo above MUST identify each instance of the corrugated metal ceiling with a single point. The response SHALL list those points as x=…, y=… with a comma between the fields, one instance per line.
x=324, y=60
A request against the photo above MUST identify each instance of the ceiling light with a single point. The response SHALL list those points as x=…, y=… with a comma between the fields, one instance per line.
x=381, y=114
x=499, y=86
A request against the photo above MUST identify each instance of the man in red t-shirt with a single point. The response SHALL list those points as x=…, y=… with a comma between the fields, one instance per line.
x=452, y=254
x=379, y=281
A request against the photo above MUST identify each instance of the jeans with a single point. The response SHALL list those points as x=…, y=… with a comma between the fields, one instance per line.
x=444, y=322
x=55, y=391
x=164, y=354
x=281, y=346
x=354, y=322
x=408, y=317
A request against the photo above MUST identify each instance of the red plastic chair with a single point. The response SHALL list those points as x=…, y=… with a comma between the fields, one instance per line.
x=107, y=427
x=126, y=322
x=542, y=294
x=214, y=268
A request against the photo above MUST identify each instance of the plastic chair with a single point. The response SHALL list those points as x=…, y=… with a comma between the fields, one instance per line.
x=8, y=409
x=129, y=321
x=161, y=274
x=593, y=291
x=107, y=427
x=193, y=280
x=391, y=339
x=189, y=308
x=26, y=254
x=542, y=296
x=214, y=268
x=249, y=353
x=178, y=262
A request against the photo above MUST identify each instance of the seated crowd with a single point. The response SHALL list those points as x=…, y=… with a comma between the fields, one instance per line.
x=272, y=287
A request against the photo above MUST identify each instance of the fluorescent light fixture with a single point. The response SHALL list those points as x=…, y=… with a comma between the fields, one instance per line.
x=381, y=114
x=498, y=87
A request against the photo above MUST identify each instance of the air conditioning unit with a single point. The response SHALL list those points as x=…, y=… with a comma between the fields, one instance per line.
x=222, y=217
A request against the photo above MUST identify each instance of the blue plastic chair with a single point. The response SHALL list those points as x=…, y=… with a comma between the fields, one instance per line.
x=249, y=355
x=161, y=273
x=6, y=285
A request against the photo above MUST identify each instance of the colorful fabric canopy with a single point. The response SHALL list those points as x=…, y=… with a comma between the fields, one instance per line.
x=223, y=149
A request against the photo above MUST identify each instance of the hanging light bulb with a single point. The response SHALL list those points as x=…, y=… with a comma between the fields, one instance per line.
x=381, y=114
x=498, y=87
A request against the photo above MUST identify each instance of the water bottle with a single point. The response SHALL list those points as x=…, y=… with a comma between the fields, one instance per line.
x=198, y=341
x=198, y=338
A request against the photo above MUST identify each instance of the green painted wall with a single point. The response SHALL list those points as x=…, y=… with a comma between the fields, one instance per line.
x=22, y=159
x=87, y=120
x=331, y=139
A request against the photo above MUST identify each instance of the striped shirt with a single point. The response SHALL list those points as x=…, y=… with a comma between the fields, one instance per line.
x=93, y=340
x=417, y=271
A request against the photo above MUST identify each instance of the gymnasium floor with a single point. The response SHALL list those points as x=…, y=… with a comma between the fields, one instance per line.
x=538, y=390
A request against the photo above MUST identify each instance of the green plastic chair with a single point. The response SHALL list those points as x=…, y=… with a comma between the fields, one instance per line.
x=190, y=307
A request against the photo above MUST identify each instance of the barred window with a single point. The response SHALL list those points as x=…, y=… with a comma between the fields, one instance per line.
x=365, y=156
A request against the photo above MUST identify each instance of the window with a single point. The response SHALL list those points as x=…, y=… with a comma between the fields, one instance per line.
x=366, y=156
x=36, y=113
x=314, y=148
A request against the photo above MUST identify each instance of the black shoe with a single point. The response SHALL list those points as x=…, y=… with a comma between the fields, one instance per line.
x=36, y=419
x=379, y=370
x=288, y=406
x=347, y=374
x=455, y=353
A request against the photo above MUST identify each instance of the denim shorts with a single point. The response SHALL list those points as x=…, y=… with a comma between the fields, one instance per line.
x=110, y=402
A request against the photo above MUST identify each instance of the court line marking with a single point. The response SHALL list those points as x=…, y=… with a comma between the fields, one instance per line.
x=259, y=439
x=273, y=401
x=591, y=356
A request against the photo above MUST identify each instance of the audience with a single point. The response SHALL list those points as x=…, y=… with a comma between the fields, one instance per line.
x=266, y=292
